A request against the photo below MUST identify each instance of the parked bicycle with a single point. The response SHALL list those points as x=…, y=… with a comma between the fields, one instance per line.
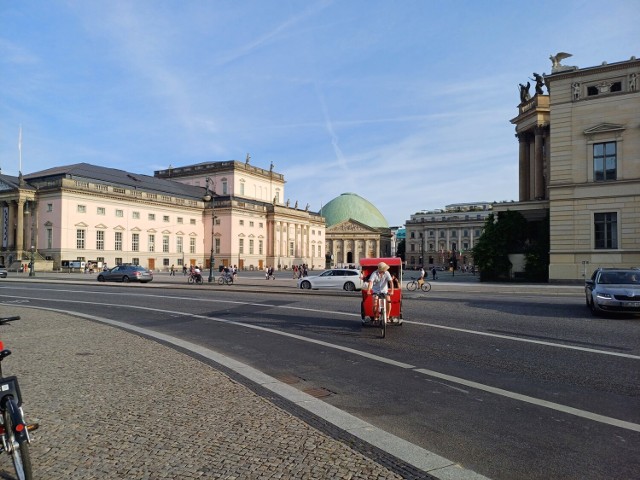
x=14, y=430
x=415, y=284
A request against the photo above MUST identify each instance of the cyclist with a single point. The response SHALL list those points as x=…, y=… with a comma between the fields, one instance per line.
x=380, y=281
x=421, y=279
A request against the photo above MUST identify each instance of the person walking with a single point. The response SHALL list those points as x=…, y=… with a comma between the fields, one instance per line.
x=172, y=272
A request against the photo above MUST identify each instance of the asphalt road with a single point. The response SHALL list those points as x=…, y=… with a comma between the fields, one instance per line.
x=511, y=385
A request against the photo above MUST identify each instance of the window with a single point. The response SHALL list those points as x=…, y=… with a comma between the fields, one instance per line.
x=291, y=249
x=135, y=242
x=605, y=228
x=224, y=187
x=101, y=211
x=250, y=246
x=100, y=240
x=180, y=220
x=165, y=243
x=135, y=261
x=241, y=222
x=49, y=237
x=192, y=221
x=441, y=234
x=119, y=213
x=118, y=260
x=454, y=234
x=241, y=245
x=135, y=215
x=260, y=225
x=152, y=216
x=152, y=243
x=260, y=247
x=179, y=244
x=165, y=218
x=118, y=243
x=82, y=208
x=242, y=188
x=251, y=224
x=413, y=235
x=165, y=262
x=49, y=207
x=192, y=245
x=217, y=245
x=217, y=221
x=604, y=161
x=80, y=237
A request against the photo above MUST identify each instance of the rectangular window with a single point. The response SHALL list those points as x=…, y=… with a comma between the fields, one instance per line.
x=118, y=242
x=165, y=218
x=251, y=246
x=260, y=247
x=165, y=262
x=100, y=240
x=179, y=247
x=217, y=222
x=165, y=243
x=80, y=237
x=224, y=188
x=135, y=242
x=152, y=216
x=152, y=243
x=119, y=213
x=604, y=161
x=251, y=224
x=241, y=222
x=242, y=189
x=135, y=261
x=82, y=208
x=291, y=250
x=118, y=260
x=101, y=211
x=179, y=220
x=605, y=228
x=192, y=221
x=241, y=245
x=192, y=245
x=217, y=245
x=135, y=215
x=49, y=238
x=313, y=250
x=49, y=207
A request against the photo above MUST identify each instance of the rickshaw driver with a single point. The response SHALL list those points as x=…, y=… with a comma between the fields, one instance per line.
x=379, y=282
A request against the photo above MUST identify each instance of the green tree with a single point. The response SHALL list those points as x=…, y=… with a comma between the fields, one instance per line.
x=401, y=248
x=503, y=234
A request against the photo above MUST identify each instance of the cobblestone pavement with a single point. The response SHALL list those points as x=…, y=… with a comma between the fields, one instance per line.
x=114, y=405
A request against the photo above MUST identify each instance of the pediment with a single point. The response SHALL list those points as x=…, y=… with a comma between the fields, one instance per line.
x=81, y=225
x=135, y=229
x=180, y=232
x=166, y=232
x=604, y=128
x=350, y=226
x=101, y=226
x=119, y=228
x=151, y=230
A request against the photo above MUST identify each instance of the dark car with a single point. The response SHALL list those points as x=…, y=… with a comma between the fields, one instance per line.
x=126, y=273
x=3, y=271
x=613, y=290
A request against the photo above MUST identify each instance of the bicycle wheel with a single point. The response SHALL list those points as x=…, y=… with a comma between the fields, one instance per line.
x=221, y=280
x=426, y=286
x=411, y=286
x=19, y=451
x=190, y=280
x=383, y=318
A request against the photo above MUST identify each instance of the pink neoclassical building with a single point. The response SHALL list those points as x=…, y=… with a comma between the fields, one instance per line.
x=231, y=211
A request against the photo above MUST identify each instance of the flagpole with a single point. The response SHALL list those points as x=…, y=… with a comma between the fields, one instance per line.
x=20, y=149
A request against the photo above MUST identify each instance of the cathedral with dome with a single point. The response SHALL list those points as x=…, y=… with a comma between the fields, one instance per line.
x=355, y=229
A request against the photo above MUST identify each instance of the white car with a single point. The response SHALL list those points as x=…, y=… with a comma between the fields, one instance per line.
x=336, y=278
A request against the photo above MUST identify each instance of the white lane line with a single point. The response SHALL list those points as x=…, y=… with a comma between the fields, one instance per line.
x=349, y=314
x=498, y=391
x=535, y=401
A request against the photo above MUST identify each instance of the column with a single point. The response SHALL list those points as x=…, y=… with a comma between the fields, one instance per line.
x=538, y=164
x=523, y=167
x=11, y=238
x=3, y=230
x=20, y=229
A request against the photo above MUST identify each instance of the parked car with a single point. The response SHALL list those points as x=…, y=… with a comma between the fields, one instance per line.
x=126, y=273
x=3, y=271
x=613, y=290
x=337, y=278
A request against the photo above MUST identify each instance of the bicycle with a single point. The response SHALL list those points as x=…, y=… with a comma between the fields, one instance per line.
x=414, y=284
x=382, y=312
x=195, y=278
x=14, y=431
x=225, y=279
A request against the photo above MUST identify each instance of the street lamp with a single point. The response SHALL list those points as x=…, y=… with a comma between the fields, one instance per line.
x=32, y=272
x=210, y=196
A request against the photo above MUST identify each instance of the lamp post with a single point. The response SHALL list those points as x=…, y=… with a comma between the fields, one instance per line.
x=32, y=272
x=210, y=196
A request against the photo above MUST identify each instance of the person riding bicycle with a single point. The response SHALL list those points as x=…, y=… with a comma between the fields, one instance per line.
x=197, y=274
x=380, y=281
x=421, y=279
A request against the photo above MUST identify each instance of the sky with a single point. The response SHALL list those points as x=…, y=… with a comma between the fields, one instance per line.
x=406, y=103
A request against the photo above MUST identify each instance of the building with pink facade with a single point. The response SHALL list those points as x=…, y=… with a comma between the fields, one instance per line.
x=230, y=211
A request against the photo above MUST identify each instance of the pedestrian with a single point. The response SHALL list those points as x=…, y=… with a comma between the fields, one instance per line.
x=184, y=269
x=433, y=272
x=172, y=272
x=295, y=272
x=266, y=273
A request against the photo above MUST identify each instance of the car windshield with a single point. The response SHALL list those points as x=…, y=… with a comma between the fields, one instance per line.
x=620, y=278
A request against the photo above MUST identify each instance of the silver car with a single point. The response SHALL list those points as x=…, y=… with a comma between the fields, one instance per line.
x=613, y=290
x=3, y=271
x=126, y=273
x=337, y=278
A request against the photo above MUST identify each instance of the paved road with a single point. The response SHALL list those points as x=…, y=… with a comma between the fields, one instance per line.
x=113, y=404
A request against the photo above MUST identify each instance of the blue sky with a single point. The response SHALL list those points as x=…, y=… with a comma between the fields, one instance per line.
x=406, y=103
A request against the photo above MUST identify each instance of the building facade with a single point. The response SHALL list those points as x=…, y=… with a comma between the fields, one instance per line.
x=580, y=165
x=434, y=236
x=107, y=216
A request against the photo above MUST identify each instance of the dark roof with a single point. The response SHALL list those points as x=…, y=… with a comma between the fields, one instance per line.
x=13, y=183
x=120, y=178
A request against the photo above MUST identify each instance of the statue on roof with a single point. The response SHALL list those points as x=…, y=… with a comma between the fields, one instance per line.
x=247, y=159
x=539, y=83
x=556, y=66
x=525, y=96
x=296, y=205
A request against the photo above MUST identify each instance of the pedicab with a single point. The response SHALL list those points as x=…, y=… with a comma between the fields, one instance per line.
x=370, y=317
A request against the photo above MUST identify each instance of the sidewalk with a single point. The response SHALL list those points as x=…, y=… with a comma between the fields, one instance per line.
x=112, y=404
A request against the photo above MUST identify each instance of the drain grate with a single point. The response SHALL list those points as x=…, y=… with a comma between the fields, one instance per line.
x=318, y=392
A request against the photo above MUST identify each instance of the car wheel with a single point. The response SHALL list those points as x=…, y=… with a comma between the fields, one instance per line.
x=101, y=278
x=349, y=286
x=594, y=310
x=306, y=285
x=125, y=279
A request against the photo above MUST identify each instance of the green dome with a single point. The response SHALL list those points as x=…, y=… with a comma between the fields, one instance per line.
x=350, y=205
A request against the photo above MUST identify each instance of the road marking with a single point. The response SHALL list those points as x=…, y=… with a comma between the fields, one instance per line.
x=497, y=391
